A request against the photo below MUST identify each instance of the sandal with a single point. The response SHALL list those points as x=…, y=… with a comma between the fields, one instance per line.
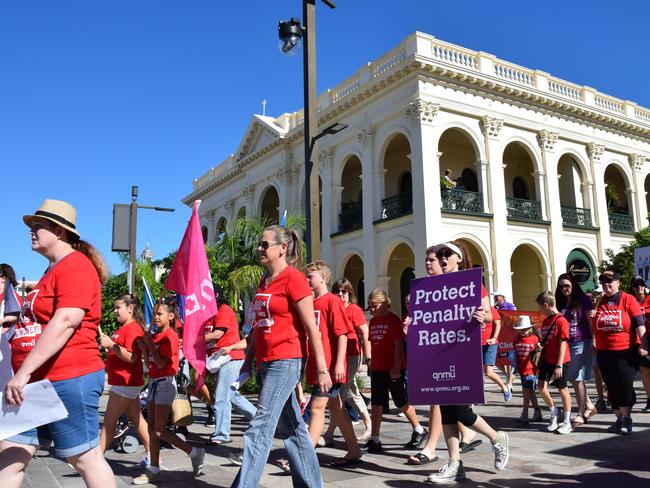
x=420, y=458
x=283, y=464
x=345, y=462
x=590, y=412
x=465, y=447
x=578, y=421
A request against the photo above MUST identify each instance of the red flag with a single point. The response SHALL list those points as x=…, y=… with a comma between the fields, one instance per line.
x=190, y=277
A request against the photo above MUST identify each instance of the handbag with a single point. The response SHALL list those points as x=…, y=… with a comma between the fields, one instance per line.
x=182, y=410
x=536, y=355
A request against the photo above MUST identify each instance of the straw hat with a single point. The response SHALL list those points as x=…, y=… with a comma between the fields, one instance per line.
x=61, y=213
x=523, y=322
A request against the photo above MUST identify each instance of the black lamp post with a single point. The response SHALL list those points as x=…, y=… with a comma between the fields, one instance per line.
x=290, y=33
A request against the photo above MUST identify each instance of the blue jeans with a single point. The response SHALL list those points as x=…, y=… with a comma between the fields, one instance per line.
x=225, y=398
x=278, y=408
x=79, y=431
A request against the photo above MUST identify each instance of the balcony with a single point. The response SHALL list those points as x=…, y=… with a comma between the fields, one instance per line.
x=461, y=201
x=621, y=222
x=576, y=216
x=520, y=208
x=351, y=219
x=396, y=206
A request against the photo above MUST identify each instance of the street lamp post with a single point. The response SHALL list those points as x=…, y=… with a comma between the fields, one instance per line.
x=290, y=33
x=133, y=223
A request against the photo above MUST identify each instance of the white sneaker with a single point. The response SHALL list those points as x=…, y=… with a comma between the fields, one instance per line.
x=552, y=425
x=146, y=478
x=501, y=448
x=197, y=461
x=451, y=472
x=564, y=428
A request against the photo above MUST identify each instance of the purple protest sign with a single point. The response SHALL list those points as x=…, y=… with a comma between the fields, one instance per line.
x=445, y=364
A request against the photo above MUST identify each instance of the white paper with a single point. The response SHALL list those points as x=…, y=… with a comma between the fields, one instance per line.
x=216, y=360
x=41, y=405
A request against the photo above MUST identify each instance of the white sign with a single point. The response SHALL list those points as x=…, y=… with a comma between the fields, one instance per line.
x=642, y=264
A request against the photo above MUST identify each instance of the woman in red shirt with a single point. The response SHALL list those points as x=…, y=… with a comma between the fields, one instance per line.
x=224, y=336
x=640, y=292
x=621, y=338
x=452, y=257
x=284, y=319
x=162, y=351
x=55, y=339
x=125, y=375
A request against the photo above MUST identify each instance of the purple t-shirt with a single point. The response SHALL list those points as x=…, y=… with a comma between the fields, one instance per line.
x=578, y=318
x=506, y=306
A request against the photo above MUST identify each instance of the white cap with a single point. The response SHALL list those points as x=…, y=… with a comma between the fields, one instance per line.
x=448, y=245
x=497, y=293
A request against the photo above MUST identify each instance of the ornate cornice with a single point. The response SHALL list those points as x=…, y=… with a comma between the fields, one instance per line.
x=547, y=139
x=595, y=151
x=491, y=126
x=637, y=161
x=325, y=157
x=422, y=111
x=366, y=136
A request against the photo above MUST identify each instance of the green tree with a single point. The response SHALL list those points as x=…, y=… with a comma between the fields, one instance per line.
x=623, y=261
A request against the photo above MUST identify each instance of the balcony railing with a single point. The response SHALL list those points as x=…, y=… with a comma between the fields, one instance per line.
x=351, y=219
x=576, y=216
x=524, y=209
x=395, y=206
x=621, y=222
x=461, y=200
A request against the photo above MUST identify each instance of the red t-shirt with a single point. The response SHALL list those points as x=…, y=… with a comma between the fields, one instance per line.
x=612, y=324
x=122, y=373
x=71, y=283
x=279, y=333
x=357, y=318
x=226, y=319
x=645, y=309
x=486, y=327
x=551, y=351
x=332, y=323
x=524, y=347
x=168, y=346
x=384, y=331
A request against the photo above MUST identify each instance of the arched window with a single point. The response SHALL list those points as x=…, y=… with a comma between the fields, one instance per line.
x=204, y=233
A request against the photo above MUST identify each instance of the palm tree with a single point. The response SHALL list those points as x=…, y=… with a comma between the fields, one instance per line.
x=237, y=249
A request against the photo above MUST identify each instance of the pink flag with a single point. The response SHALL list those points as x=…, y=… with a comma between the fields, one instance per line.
x=190, y=277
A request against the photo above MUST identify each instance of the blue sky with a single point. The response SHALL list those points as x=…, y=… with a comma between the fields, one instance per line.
x=96, y=96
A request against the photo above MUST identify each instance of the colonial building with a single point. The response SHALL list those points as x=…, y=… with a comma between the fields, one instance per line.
x=548, y=174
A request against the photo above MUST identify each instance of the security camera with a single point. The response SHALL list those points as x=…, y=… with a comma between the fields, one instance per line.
x=290, y=35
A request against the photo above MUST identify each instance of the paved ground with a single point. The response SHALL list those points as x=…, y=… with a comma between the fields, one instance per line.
x=588, y=457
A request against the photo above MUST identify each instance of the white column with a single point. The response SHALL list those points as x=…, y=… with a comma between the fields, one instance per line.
x=595, y=152
x=637, y=163
x=540, y=183
x=484, y=187
x=556, y=230
x=370, y=170
x=327, y=212
x=336, y=206
x=499, y=241
x=425, y=167
x=588, y=198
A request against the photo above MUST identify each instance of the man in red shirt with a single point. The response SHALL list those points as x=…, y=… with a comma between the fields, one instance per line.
x=555, y=357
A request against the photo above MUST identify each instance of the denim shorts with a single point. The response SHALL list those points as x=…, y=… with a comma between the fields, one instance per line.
x=490, y=354
x=332, y=393
x=79, y=432
x=162, y=391
x=130, y=392
x=529, y=382
x=580, y=363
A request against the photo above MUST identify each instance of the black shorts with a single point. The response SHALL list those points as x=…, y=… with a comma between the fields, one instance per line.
x=452, y=414
x=381, y=383
x=644, y=361
x=546, y=371
x=618, y=369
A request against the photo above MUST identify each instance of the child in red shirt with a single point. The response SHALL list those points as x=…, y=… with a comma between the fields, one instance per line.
x=524, y=344
x=555, y=356
x=334, y=329
x=162, y=352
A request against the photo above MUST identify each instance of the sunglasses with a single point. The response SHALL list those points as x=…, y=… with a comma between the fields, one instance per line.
x=444, y=253
x=266, y=244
